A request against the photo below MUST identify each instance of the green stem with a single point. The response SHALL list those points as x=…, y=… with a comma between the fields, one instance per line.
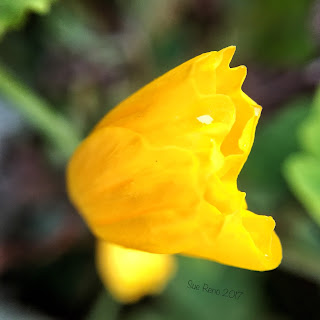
x=39, y=114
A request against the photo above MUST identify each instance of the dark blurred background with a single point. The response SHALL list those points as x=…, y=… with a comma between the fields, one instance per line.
x=64, y=64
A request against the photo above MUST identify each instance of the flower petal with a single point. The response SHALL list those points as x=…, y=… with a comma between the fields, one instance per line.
x=159, y=172
x=131, y=274
x=246, y=240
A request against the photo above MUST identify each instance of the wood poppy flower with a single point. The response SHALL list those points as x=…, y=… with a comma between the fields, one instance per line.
x=159, y=172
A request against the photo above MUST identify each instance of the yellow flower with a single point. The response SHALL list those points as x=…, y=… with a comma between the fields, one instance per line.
x=159, y=172
x=131, y=274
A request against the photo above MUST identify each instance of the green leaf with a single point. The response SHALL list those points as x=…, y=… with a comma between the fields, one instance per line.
x=12, y=12
x=261, y=177
x=303, y=174
x=302, y=170
x=309, y=134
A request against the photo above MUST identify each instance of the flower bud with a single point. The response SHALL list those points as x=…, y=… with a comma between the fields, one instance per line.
x=159, y=172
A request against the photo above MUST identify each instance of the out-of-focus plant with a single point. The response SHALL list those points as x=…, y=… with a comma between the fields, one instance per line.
x=58, y=131
x=55, y=128
x=128, y=274
x=302, y=170
x=13, y=12
x=271, y=18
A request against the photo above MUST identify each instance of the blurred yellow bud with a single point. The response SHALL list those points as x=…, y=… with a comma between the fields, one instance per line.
x=159, y=172
x=130, y=274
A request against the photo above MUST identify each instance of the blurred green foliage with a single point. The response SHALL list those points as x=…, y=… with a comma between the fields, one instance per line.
x=75, y=63
x=12, y=12
x=272, y=31
x=179, y=301
x=59, y=132
x=303, y=170
x=272, y=146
